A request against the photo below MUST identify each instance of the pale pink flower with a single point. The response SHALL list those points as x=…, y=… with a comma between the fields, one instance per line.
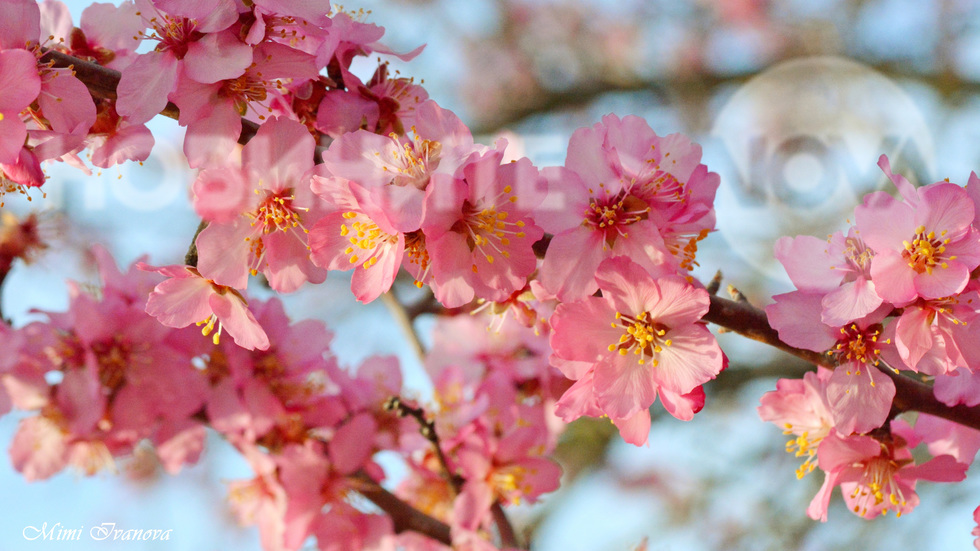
x=597, y=209
x=876, y=477
x=800, y=408
x=839, y=268
x=212, y=111
x=187, y=297
x=858, y=393
x=260, y=215
x=192, y=42
x=394, y=170
x=358, y=236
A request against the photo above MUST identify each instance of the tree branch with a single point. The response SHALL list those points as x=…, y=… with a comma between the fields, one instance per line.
x=102, y=83
x=404, y=516
x=910, y=395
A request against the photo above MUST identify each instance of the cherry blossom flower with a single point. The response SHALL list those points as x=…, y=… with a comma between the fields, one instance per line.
x=839, y=267
x=187, y=297
x=260, y=214
x=799, y=407
x=876, y=477
x=656, y=341
x=479, y=231
x=358, y=236
x=596, y=210
x=858, y=393
x=925, y=245
x=395, y=170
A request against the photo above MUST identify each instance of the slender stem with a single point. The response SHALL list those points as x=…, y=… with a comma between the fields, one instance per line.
x=507, y=536
x=401, y=316
x=428, y=430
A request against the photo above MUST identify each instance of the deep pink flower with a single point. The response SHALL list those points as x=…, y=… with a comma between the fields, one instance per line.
x=260, y=216
x=641, y=335
x=925, y=245
x=479, y=231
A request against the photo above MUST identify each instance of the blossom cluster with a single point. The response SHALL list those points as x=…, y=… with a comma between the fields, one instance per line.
x=581, y=272
x=896, y=292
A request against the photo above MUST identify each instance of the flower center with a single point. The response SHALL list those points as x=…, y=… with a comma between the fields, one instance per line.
x=488, y=230
x=413, y=160
x=275, y=213
x=417, y=254
x=878, y=483
x=857, y=255
x=858, y=345
x=925, y=251
x=365, y=237
x=644, y=337
x=613, y=214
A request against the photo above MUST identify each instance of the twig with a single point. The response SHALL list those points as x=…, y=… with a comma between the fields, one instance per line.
x=507, y=536
x=401, y=316
x=403, y=516
x=910, y=395
x=428, y=429
x=714, y=284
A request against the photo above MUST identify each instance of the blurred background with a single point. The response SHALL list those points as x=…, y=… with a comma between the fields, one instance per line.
x=793, y=101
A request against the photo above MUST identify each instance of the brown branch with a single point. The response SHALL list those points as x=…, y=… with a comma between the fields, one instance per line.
x=102, y=83
x=403, y=516
x=427, y=428
x=910, y=395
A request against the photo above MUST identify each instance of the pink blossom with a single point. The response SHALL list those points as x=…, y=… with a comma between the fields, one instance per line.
x=926, y=245
x=858, y=393
x=597, y=209
x=187, y=297
x=191, y=42
x=656, y=340
x=876, y=477
x=383, y=105
x=394, y=171
x=479, y=231
x=800, y=408
x=839, y=268
x=260, y=216
x=358, y=236
x=212, y=111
